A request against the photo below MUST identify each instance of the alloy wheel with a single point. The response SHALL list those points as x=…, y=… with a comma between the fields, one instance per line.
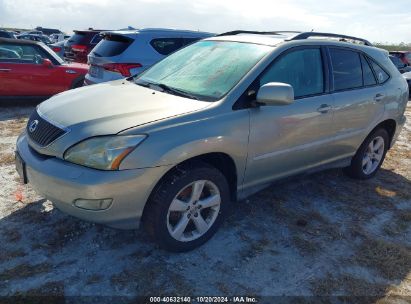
x=193, y=210
x=373, y=155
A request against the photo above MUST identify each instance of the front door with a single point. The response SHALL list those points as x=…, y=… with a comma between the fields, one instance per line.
x=287, y=139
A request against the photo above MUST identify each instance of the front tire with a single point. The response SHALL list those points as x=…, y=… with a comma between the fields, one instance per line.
x=370, y=155
x=187, y=207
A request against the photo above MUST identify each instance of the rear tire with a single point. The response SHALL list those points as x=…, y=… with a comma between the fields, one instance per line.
x=370, y=155
x=187, y=207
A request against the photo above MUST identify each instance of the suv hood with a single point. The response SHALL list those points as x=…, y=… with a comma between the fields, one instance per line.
x=115, y=106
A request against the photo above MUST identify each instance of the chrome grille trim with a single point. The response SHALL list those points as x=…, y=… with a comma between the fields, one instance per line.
x=46, y=131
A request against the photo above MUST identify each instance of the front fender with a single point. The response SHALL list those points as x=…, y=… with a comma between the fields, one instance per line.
x=227, y=133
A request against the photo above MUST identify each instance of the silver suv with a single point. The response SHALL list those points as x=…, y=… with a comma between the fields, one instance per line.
x=124, y=53
x=177, y=146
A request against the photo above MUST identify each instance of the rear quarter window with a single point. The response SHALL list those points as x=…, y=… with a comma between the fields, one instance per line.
x=166, y=46
x=382, y=76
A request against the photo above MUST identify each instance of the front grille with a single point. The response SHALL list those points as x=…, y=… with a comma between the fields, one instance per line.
x=42, y=132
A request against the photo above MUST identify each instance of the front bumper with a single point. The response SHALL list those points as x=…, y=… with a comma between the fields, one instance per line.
x=62, y=183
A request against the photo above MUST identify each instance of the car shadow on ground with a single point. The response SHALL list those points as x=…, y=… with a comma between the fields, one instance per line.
x=323, y=234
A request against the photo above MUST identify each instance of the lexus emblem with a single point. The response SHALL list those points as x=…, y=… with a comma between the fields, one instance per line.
x=33, y=125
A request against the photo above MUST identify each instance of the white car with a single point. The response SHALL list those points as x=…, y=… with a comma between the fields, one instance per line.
x=57, y=37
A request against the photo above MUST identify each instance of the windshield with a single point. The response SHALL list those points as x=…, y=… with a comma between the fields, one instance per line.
x=206, y=69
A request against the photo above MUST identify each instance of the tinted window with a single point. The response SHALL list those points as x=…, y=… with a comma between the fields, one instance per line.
x=77, y=37
x=347, y=70
x=6, y=34
x=367, y=74
x=397, y=62
x=96, y=39
x=190, y=40
x=382, y=76
x=166, y=46
x=301, y=69
x=112, y=45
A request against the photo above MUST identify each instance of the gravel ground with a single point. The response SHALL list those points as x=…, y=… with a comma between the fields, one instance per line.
x=322, y=234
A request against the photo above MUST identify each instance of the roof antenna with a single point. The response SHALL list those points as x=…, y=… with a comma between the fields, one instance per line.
x=312, y=30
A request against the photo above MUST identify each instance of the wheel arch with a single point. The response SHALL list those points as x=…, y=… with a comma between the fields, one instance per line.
x=219, y=160
x=390, y=125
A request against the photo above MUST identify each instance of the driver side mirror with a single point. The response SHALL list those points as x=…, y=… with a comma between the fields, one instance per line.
x=275, y=94
x=47, y=63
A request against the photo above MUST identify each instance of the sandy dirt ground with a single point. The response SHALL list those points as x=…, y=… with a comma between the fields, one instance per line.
x=323, y=234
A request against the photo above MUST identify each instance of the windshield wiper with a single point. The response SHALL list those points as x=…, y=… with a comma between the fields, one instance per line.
x=165, y=88
x=174, y=91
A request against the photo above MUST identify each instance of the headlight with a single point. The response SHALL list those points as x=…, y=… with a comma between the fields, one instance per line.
x=103, y=152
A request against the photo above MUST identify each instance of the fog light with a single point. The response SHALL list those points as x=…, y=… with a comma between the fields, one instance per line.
x=93, y=204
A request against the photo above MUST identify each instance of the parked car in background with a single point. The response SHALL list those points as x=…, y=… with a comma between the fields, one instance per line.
x=58, y=48
x=30, y=69
x=405, y=56
x=6, y=34
x=176, y=146
x=407, y=77
x=32, y=33
x=57, y=37
x=48, y=31
x=121, y=54
x=401, y=66
x=40, y=38
x=80, y=44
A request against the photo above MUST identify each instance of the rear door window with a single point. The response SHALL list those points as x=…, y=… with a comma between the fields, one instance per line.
x=166, y=46
x=112, y=45
x=347, y=70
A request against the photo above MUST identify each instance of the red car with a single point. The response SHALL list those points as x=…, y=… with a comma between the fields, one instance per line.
x=30, y=69
x=80, y=45
x=405, y=56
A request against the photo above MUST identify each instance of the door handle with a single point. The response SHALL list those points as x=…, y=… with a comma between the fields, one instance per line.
x=379, y=97
x=324, y=108
x=5, y=70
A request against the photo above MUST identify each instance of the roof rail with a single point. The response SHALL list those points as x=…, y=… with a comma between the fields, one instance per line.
x=237, y=32
x=307, y=35
x=299, y=35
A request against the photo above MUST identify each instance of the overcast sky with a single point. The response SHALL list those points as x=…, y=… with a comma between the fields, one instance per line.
x=377, y=21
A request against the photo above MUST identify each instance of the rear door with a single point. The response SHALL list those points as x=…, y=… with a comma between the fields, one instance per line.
x=358, y=97
x=287, y=139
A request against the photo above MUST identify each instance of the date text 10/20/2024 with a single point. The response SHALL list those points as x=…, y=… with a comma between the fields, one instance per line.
x=199, y=300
